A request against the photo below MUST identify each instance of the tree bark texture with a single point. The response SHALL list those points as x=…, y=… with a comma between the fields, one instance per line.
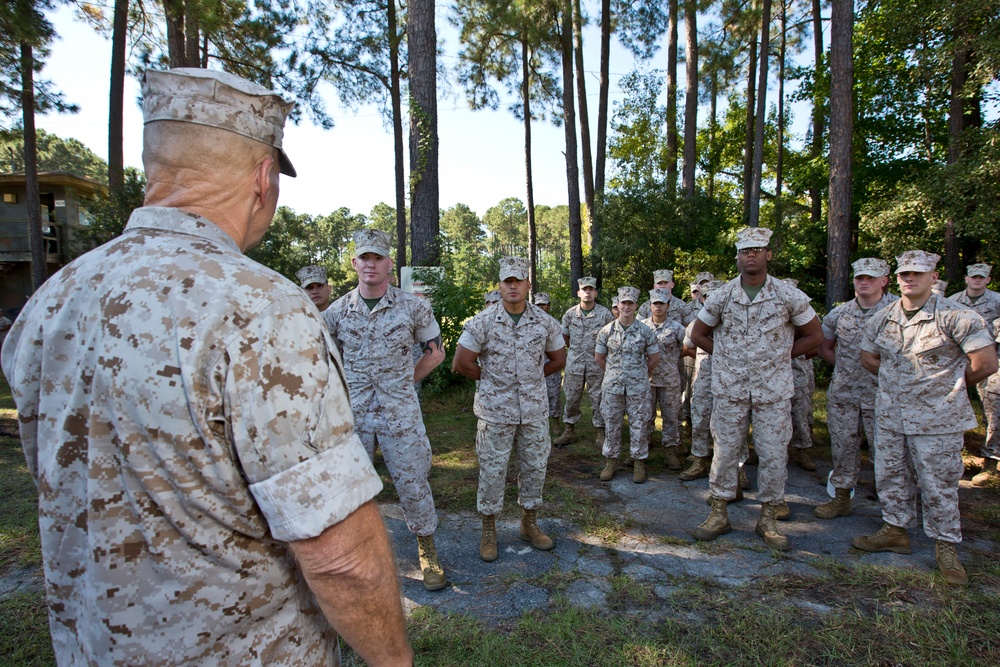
x=602, y=139
x=572, y=168
x=749, y=128
x=672, y=98
x=841, y=133
x=818, y=122
x=761, y=115
x=395, y=95
x=529, y=181
x=581, y=95
x=691, y=97
x=116, y=104
x=39, y=271
x=424, y=208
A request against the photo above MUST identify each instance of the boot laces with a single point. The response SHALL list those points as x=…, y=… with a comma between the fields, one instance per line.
x=948, y=556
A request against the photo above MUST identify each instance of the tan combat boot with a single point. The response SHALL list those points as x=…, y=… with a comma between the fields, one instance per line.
x=531, y=533
x=488, y=542
x=716, y=524
x=991, y=467
x=672, y=460
x=699, y=467
x=568, y=436
x=609, y=470
x=782, y=512
x=887, y=538
x=767, y=527
x=947, y=561
x=838, y=506
x=801, y=458
x=599, y=437
x=434, y=579
x=639, y=472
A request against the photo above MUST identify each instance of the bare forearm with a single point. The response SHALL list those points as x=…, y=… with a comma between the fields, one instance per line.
x=828, y=351
x=812, y=336
x=433, y=356
x=465, y=364
x=982, y=364
x=652, y=362
x=871, y=362
x=350, y=569
x=601, y=360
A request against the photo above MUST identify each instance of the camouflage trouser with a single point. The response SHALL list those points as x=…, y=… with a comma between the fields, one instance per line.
x=701, y=415
x=931, y=464
x=552, y=384
x=772, y=427
x=400, y=434
x=991, y=412
x=613, y=408
x=802, y=408
x=687, y=382
x=573, y=388
x=494, y=443
x=845, y=422
x=668, y=398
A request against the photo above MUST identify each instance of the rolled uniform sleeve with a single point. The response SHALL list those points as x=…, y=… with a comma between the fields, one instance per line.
x=292, y=426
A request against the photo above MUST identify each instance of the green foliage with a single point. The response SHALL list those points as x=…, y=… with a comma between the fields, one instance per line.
x=54, y=154
x=454, y=302
x=109, y=213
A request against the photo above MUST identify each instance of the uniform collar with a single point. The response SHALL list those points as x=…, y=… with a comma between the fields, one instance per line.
x=180, y=221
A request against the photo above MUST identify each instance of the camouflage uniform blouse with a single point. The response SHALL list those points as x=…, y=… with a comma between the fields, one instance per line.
x=183, y=417
x=852, y=384
x=582, y=326
x=670, y=337
x=921, y=379
x=512, y=358
x=752, y=343
x=377, y=345
x=627, y=352
x=988, y=305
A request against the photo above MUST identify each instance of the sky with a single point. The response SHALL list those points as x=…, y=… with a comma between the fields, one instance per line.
x=351, y=165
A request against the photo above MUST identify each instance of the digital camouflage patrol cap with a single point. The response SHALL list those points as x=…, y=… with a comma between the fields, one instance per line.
x=308, y=275
x=919, y=261
x=628, y=294
x=492, y=296
x=217, y=99
x=659, y=295
x=870, y=266
x=703, y=277
x=514, y=267
x=711, y=286
x=372, y=240
x=753, y=237
x=663, y=276
x=541, y=299
x=587, y=281
x=981, y=270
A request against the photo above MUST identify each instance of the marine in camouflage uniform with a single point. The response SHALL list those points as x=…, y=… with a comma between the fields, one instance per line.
x=553, y=382
x=925, y=348
x=804, y=379
x=665, y=380
x=183, y=413
x=510, y=347
x=850, y=399
x=679, y=310
x=990, y=392
x=749, y=326
x=375, y=326
x=986, y=302
x=580, y=325
x=628, y=352
x=701, y=400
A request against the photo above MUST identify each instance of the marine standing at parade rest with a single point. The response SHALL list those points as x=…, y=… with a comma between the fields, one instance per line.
x=203, y=498
x=701, y=399
x=926, y=350
x=628, y=352
x=553, y=383
x=989, y=389
x=749, y=327
x=664, y=279
x=376, y=325
x=665, y=380
x=510, y=348
x=804, y=379
x=986, y=302
x=580, y=325
x=850, y=399
x=313, y=280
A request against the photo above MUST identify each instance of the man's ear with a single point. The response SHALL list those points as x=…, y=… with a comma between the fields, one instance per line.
x=262, y=180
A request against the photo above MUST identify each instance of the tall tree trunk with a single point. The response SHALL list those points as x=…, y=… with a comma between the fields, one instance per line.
x=780, y=161
x=116, y=104
x=397, y=140
x=173, y=12
x=529, y=182
x=691, y=96
x=424, y=210
x=602, y=139
x=581, y=95
x=761, y=119
x=572, y=168
x=712, y=128
x=957, y=123
x=672, y=98
x=32, y=199
x=749, y=129
x=841, y=134
x=192, y=30
x=818, y=122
